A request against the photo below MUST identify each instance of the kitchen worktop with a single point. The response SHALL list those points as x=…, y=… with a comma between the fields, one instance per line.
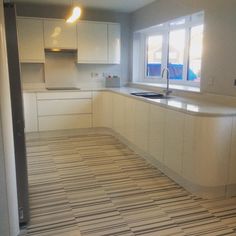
x=187, y=104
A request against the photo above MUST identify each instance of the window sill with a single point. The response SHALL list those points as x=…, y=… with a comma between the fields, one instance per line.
x=185, y=88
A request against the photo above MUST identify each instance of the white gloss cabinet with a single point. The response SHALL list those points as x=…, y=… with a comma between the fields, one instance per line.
x=173, y=140
x=114, y=38
x=30, y=40
x=59, y=35
x=118, y=113
x=206, y=150
x=141, y=118
x=102, y=109
x=67, y=106
x=156, y=132
x=129, y=124
x=30, y=112
x=92, y=42
x=232, y=161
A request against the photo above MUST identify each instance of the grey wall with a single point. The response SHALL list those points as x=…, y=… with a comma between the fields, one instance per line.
x=219, y=56
x=93, y=15
x=9, y=223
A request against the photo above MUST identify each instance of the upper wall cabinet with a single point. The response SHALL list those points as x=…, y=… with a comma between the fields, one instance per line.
x=92, y=42
x=114, y=43
x=98, y=42
x=30, y=40
x=59, y=35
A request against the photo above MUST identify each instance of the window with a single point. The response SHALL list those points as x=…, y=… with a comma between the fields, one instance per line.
x=176, y=52
x=176, y=45
x=154, y=55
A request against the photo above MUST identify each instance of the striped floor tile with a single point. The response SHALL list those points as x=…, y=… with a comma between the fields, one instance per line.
x=93, y=185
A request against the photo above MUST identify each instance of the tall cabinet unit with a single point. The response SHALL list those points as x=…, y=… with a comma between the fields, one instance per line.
x=30, y=40
x=59, y=35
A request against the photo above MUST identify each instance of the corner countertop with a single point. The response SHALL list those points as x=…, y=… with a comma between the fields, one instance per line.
x=190, y=105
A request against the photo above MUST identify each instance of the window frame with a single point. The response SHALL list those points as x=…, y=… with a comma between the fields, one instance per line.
x=164, y=30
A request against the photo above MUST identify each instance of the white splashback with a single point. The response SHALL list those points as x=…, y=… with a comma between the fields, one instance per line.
x=61, y=68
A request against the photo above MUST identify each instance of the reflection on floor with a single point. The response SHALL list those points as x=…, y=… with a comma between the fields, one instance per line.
x=93, y=185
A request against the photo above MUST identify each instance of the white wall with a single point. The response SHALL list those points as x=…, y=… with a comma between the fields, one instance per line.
x=9, y=223
x=219, y=60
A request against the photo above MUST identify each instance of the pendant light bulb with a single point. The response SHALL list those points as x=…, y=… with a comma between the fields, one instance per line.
x=76, y=13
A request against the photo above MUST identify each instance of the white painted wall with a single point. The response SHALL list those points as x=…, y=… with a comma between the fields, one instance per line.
x=9, y=223
x=219, y=38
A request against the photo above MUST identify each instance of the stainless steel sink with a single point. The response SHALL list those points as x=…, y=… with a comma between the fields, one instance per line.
x=151, y=95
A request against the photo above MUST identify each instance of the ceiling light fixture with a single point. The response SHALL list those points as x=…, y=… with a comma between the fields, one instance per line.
x=76, y=13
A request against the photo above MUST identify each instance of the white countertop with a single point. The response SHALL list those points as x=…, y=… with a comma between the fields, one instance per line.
x=188, y=105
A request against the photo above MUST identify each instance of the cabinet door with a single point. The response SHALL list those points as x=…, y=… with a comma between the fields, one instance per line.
x=30, y=39
x=102, y=109
x=30, y=112
x=173, y=140
x=114, y=43
x=58, y=34
x=118, y=113
x=141, y=125
x=63, y=107
x=232, y=163
x=130, y=119
x=92, y=42
x=63, y=122
x=156, y=132
x=207, y=150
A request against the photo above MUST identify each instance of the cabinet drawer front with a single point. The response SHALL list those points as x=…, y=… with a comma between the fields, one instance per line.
x=63, y=95
x=65, y=122
x=63, y=107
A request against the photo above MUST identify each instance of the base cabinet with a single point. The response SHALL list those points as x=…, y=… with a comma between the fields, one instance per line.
x=232, y=162
x=118, y=117
x=206, y=150
x=30, y=112
x=191, y=149
x=173, y=140
x=156, y=132
x=129, y=124
x=102, y=109
x=141, y=125
x=47, y=123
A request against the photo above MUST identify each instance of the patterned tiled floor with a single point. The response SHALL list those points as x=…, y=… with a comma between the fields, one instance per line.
x=92, y=185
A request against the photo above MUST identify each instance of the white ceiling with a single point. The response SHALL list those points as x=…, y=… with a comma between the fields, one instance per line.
x=114, y=5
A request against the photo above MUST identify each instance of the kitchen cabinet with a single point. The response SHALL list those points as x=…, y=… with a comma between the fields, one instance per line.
x=114, y=43
x=98, y=42
x=173, y=140
x=30, y=40
x=30, y=112
x=205, y=155
x=59, y=35
x=102, y=109
x=141, y=125
x=232, y=161
x=156, y=132
x=67, y=106
x=129, y=130
x=64, y=110
x=118, y=116
x=92, y=42
x=196, y=151
x=47, y=123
